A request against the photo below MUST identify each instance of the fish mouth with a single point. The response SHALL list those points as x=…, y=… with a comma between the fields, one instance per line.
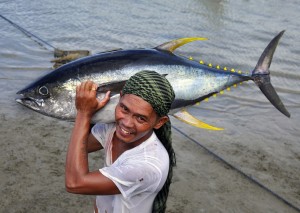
x=31, y=103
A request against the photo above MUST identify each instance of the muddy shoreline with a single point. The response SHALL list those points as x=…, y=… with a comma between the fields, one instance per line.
x=32, y=178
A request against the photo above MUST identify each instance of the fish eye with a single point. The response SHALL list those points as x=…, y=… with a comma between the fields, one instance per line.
x=43, y=90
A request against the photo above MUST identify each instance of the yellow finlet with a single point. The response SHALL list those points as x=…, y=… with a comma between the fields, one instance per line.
x=232, y=70
x=173, y=45
x=225, y=68
x=191, y=58
x=201, y=62
x=210, y=65
x=218, y=66
x=186, y=117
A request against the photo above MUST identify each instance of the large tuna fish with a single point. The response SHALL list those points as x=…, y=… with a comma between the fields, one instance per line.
x=54, y=94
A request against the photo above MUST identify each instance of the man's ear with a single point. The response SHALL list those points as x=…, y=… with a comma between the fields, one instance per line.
x=161, y=121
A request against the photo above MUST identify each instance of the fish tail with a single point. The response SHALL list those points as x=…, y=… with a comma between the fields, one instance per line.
x=261, y=75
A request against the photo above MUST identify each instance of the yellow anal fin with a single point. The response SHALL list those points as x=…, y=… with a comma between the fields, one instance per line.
x=186, y=117
x=173, y=45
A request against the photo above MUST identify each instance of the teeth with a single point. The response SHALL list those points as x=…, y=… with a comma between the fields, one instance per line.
x=126, y=132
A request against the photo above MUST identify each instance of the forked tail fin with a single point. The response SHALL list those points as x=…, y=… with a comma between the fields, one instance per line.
x=261, y=75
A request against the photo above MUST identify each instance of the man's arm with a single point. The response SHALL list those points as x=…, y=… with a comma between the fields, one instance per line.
x=93, y=144
x=78, y=178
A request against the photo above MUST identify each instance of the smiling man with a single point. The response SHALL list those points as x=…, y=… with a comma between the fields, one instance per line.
x=138, y=149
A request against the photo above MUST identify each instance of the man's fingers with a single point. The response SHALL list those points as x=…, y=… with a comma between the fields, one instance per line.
x=104, y=101
x=86, y=86
x=107, y=95
x=94, y=87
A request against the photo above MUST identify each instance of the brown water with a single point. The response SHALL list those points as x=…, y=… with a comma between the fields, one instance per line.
x=33, y=146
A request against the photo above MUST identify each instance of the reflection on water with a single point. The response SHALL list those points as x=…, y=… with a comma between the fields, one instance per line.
x=213, y=11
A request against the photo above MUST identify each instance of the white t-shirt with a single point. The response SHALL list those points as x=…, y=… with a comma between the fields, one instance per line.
x=139, y=173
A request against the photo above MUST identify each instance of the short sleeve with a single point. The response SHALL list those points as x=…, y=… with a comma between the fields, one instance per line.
x=133, y=179
x=101, y=131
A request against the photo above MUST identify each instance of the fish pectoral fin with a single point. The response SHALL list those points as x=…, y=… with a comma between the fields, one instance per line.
x=173, y=45
x=186, y=117
x=114, y=86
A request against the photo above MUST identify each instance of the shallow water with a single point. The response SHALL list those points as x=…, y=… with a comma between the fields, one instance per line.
x=238, y=31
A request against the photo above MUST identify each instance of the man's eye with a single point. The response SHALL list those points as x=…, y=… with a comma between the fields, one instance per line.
x=124, y=108
x=141, y=119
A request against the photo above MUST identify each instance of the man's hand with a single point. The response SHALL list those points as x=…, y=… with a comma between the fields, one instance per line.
x=78, y=178
x=86, y=101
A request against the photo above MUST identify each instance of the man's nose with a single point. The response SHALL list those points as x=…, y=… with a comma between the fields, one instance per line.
x=128, y=121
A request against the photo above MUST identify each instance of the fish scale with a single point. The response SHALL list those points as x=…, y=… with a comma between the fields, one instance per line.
x=54, y=94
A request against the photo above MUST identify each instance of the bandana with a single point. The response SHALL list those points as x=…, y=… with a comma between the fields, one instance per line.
x=153, y=88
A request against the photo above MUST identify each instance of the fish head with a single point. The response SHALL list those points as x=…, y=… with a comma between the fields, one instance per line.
x=54, y=99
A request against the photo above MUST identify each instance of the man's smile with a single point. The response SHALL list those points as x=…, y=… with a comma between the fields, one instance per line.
x=125, y=131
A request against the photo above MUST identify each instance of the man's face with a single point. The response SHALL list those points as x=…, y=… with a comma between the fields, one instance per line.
x=135, y=119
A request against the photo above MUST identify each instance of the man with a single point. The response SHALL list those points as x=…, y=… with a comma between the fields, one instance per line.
x=138, y=151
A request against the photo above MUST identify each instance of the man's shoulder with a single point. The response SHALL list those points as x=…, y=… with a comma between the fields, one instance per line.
x=151, y=153
x=101, y=128
x=102, y=132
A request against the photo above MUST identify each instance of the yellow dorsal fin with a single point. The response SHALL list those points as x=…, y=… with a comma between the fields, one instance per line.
x=186, y=117
x=173, y=45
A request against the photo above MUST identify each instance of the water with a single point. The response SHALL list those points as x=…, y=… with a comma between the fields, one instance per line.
x=34, y=146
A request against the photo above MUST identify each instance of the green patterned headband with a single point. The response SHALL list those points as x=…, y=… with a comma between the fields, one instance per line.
x=153, y=88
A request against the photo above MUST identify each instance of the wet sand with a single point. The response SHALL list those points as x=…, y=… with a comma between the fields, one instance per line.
x=33, y=159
